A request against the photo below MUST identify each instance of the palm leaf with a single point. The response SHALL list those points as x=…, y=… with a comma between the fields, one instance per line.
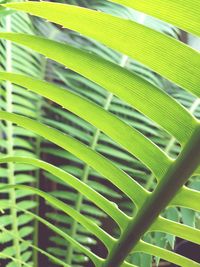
x=172, y=174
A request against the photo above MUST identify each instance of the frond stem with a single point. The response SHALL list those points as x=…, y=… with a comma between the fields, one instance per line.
x=173, y=180
x=10, y=145
x=172, y=142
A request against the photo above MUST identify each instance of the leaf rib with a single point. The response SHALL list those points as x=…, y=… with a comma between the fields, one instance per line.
x=78, y=185
x=183, y=13
x=125, y=183
x=139, y=40
x=96, y=260
x=187, y=198
x=87, y=223
x=59, y=262
x=116, y=79
x=165, y=255
x=177, y=229
x=101, y=119
x=183, y=167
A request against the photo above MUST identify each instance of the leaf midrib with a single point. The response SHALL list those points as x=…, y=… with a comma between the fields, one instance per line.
x=175, y=178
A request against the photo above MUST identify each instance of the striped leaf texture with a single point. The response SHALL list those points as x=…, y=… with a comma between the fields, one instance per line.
x=101, y=102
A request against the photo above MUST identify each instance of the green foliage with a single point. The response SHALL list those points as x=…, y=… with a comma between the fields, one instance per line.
x=124, y=138
x=17, y=141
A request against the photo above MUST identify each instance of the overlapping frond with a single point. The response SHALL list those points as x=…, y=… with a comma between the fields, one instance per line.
x=172, y=169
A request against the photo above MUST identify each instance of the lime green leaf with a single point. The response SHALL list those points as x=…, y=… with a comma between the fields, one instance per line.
x=182, y=13
x=127, y=37
x=149, y=100
x=91, y=157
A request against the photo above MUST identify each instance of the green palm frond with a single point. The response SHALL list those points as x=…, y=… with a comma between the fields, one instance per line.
x=103, y=144
x=167, y=147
